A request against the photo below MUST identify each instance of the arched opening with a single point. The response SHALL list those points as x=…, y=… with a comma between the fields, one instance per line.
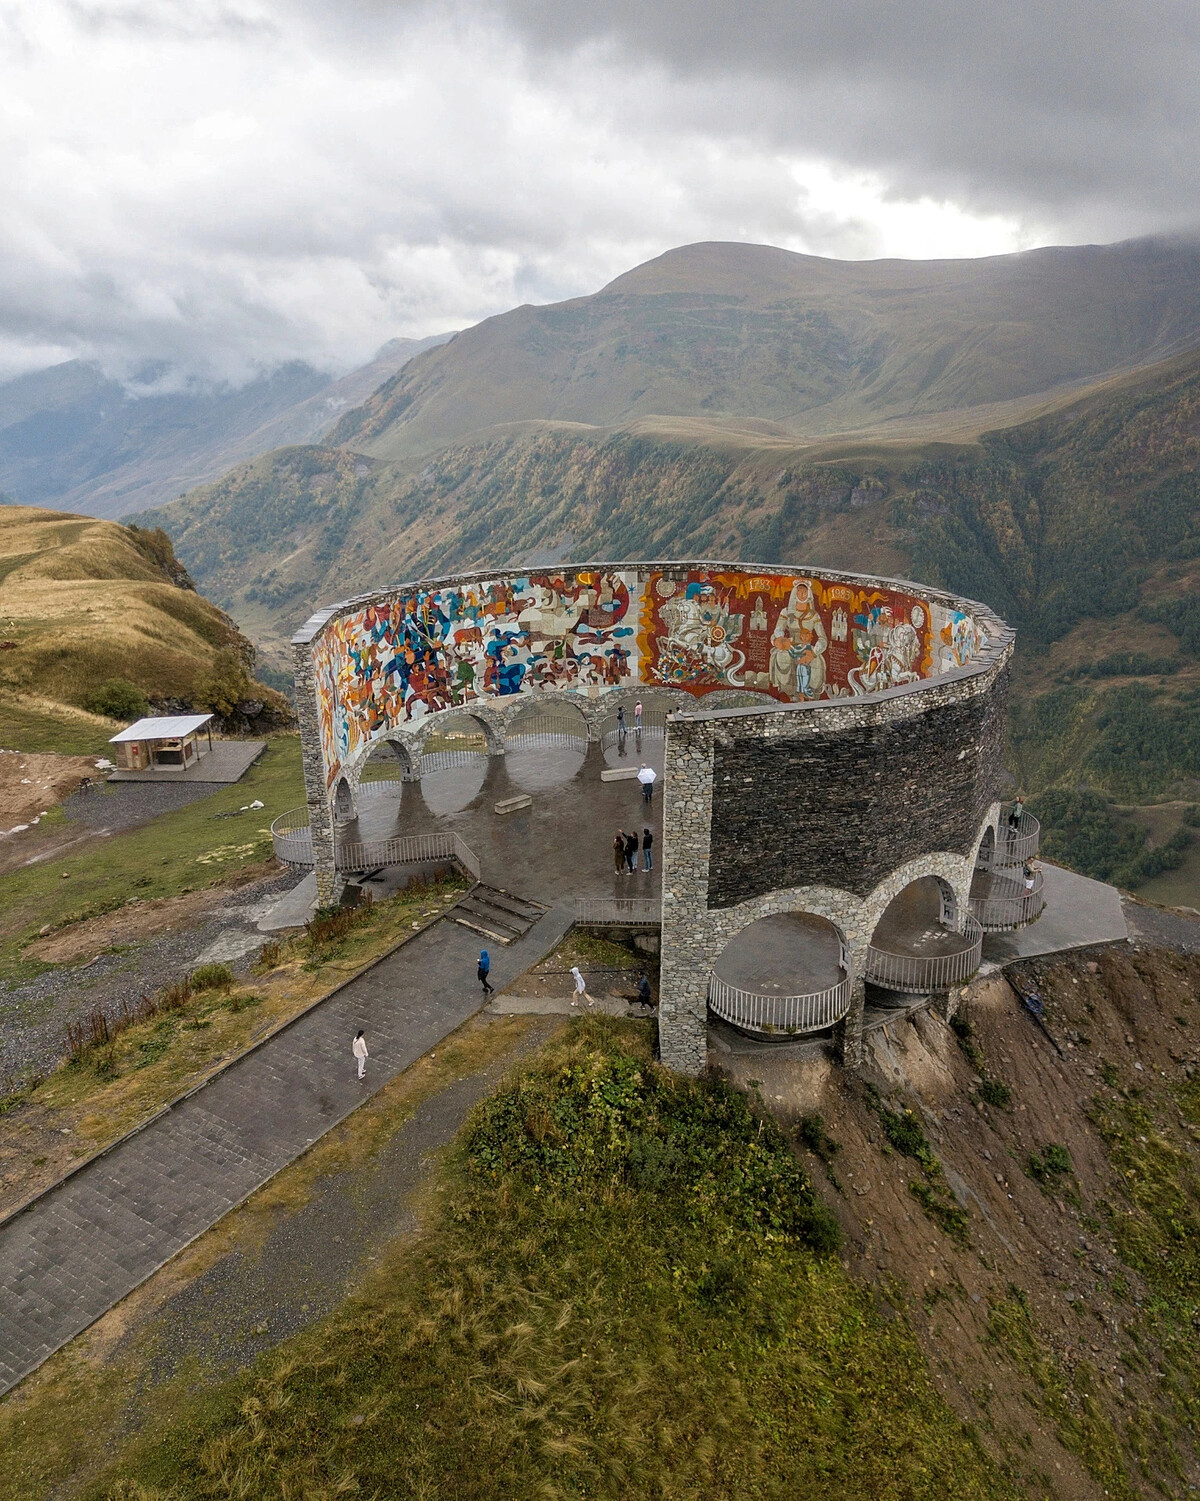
x=454, y=763
x=343, y=801
x=783, y=976
x=921, y=943
x=545, y=745
x=383, y=772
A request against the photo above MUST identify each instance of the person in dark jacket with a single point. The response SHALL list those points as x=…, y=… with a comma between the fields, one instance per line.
x=485, y=968
x=619, y=852
x=643, y=994
x=647, y=842
x=631, y=852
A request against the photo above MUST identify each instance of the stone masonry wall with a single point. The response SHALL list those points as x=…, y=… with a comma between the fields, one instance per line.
x=842, y=806
x=735, y=851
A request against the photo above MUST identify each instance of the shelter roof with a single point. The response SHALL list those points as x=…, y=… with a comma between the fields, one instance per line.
x=165, y=727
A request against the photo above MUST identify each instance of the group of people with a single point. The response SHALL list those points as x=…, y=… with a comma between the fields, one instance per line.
x=625, y=851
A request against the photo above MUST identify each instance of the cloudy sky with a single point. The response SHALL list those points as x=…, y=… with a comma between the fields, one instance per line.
x=221, y=185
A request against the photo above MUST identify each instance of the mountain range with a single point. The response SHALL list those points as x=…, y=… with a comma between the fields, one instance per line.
x=75, y=438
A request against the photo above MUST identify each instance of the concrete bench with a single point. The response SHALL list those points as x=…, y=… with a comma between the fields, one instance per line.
x=513, y=804
x=619, y=774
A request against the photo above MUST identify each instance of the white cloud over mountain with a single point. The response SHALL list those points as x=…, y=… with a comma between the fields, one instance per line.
x=213, y=188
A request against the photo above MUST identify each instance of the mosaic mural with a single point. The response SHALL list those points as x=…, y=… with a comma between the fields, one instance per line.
x=794, y=638
x=394, y=661
x=791, y=637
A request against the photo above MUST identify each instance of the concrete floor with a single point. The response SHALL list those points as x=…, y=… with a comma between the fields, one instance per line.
x=1078, y=912
x=912, y=924
x=560, y=846
x=789, y=954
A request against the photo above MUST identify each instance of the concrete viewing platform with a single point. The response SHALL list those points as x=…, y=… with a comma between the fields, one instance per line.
x=228, y=761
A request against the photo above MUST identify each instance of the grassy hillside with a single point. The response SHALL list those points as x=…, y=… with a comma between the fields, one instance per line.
x=627, y=1290
x=83, y=602
x=812, y=346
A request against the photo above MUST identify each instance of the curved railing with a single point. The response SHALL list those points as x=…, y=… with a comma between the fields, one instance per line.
x=292, y=838
x=926, y=975
x=618, y=911
x=567, y=739
x=1009, y=904
x=1015, y=845
x=779, y=1015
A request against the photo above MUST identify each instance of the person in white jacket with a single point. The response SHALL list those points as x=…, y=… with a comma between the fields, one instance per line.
x=359, y=1049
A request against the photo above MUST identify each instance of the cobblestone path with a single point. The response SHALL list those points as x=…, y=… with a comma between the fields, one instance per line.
x=84, y=1245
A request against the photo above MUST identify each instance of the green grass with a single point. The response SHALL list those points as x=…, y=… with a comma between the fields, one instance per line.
x=26, y=729
x=181, y=851
x=627, y=1292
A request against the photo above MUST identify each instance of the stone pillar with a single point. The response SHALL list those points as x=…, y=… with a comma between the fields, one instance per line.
x=687, y=789
x=320, y=819
x=946, y=1003
x=849, y=1032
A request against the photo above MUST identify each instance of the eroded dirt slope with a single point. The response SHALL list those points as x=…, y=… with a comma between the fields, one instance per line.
x=1032, y=1202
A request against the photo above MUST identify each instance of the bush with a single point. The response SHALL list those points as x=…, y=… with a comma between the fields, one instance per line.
x=117, y=699
x=212, y=977
x=992, y=1092
x=225, y=685
x=1053, y=1165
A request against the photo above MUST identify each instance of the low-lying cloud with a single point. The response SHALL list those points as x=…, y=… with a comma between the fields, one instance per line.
x=217, y=188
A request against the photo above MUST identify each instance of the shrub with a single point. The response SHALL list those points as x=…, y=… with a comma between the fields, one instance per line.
x=117, y=699
x=212, y=977
x=1053, y=1165
x=269, y=955
x=225, y=685
x=993, y=1092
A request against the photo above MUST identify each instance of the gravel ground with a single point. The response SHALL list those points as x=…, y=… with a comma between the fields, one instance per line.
x=116, y=806
x=34, y=1016
x=1155, y=927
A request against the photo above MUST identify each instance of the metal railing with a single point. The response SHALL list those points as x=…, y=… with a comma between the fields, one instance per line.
x=1009, y=904
x=618, y=911
x=779, y=1015
x=565, y=739
x=650, y=731
x=927, y=974
x=449, y=760
x=292, y=838
x=1015, y=845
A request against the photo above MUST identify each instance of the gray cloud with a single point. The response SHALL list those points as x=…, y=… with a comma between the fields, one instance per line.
x=226, y=185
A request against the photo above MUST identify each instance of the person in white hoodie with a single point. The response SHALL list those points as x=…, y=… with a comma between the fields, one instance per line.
x=359, y=1050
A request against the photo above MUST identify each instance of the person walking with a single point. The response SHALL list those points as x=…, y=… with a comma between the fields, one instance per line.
x=621, y=718
x=359, y=1049
x=637, y=716
x=631, y=852
x=485, y=968
x=619, y=852
x=643, y=994
x=647, y=842
x=647, y=776
x=580, y=986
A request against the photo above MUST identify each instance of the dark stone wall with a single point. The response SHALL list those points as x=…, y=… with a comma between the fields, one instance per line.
x=845, y=807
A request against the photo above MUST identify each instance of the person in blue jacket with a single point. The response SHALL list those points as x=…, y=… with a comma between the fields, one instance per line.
x=485, y=965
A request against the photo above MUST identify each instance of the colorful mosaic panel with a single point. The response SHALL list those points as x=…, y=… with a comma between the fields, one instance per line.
x=793, y=637
x=427, y=649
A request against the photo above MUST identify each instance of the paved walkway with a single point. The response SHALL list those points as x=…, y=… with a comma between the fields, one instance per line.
x=84, y=1245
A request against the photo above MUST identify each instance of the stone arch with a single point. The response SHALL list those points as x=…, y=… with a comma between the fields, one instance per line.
x=560, y=706
x=489, y=721
x=344, y=807
x=991, y=823
x=953, y=873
